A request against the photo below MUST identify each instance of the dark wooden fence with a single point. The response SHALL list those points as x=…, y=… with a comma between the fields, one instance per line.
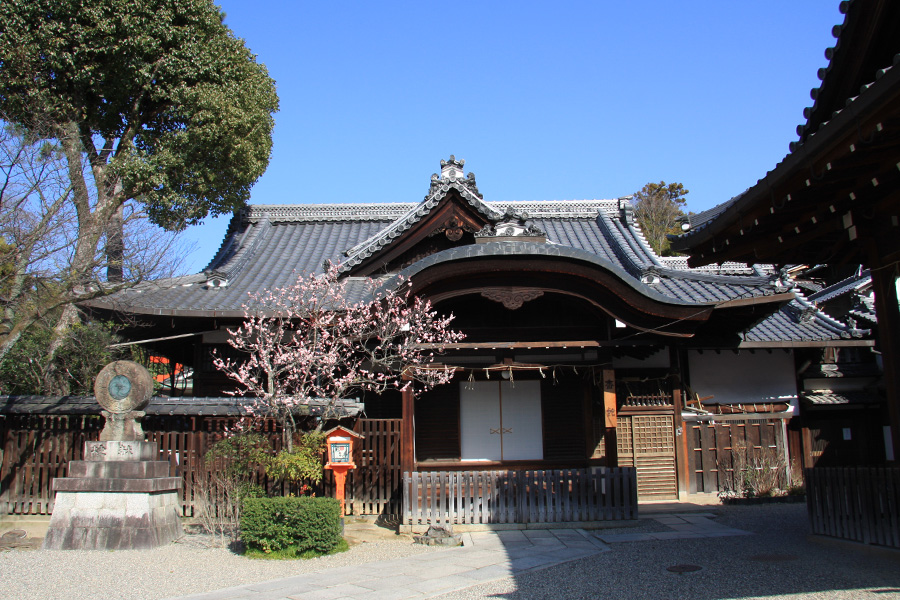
x=33, y=451
x=855, y=503
x=719, y=449
x=567, y=495
x=36, y=449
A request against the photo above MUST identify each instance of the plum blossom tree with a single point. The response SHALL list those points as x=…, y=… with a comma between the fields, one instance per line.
x=309, y=341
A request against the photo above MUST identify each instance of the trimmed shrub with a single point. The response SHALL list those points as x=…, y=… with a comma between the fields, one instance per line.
x=304, y=523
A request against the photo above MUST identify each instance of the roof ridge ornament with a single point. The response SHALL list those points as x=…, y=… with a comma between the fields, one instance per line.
x=452, y=169
x=216, y=280
x=626, y=211
x=650, y=275
x=452, y=174
x=512, y=224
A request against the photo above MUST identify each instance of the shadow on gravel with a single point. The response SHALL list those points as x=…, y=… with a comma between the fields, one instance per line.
x=777, y=561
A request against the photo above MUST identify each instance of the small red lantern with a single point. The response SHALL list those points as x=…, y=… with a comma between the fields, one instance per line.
x=339, y=442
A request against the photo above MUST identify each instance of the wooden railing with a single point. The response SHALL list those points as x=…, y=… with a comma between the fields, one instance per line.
x=855, y=503
x=565, y=495
x=643, y=400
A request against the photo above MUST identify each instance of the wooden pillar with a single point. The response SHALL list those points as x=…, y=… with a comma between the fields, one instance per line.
x=408, y=431
x=888, y=313
x=587, y=409
x=609, y=416
x=805, y=447
x=681, y=442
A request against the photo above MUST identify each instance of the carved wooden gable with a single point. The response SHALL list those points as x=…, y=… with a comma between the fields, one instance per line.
x=452, y=223
x=451, y=214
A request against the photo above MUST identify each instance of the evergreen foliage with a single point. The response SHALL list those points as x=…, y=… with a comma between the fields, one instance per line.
x=168, y=104
x=303, y=523
x=239, y=456
x=117, y=114
x=82, y=355
x=303, y=462
x=657, y=207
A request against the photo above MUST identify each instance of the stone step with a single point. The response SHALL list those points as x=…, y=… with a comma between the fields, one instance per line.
x=359, y=532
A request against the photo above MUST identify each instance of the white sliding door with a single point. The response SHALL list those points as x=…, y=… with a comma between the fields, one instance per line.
x=479, y=418
x=501, y=420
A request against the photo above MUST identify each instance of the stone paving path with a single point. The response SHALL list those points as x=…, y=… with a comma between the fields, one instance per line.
x=485, y=556
x=689, y=525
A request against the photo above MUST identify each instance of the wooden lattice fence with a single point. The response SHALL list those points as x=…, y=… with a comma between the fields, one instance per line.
x=719, y=449
x=36, y=449
x=855, y=503
x=551, y=496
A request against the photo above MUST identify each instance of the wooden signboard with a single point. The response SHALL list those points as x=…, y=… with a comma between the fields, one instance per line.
x=609, y=398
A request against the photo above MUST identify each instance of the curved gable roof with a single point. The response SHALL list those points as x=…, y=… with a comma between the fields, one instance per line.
x=266, y=246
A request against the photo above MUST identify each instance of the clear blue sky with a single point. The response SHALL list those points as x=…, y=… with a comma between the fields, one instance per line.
x=544, y=101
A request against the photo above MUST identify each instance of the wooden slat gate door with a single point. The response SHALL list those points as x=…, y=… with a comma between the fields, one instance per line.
x=374, y=488
x=647, y=443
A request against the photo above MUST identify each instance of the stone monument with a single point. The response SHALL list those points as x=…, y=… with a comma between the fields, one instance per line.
x=120, y=496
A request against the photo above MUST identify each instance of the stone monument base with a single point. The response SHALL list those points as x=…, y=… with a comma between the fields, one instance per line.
x=116, y=499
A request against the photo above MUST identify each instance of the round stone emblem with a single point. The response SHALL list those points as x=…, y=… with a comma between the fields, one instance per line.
x=119, y=386
x=123, y=386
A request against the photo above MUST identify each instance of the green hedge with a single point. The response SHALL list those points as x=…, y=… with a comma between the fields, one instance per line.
x=304, y=523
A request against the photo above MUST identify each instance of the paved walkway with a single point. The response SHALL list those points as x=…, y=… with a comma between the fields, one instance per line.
x=485, y=556
x=683, y=526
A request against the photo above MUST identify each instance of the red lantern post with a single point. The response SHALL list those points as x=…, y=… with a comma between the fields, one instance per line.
x=339, y=442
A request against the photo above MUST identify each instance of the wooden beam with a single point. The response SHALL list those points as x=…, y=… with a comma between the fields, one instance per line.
x=539, y=345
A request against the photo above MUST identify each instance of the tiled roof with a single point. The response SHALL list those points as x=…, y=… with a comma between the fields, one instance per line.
x=698, y=220
x=801, y=321
x=845, y=286
x=267, y=246
x=828, y=397
x=864, y=309
x=161, y=406
x=841, y=370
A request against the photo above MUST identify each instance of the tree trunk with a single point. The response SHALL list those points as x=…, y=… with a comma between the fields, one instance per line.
x=55, y=382
x=287, y=432
x=115, y=246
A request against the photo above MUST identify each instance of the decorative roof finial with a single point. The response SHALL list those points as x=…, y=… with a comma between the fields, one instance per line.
x=452, y=169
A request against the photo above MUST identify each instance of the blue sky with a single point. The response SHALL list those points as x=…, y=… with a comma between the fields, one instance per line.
x=572, y=100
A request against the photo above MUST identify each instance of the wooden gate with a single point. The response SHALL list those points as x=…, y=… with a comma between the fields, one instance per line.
x=719, y=449
x=647, y=443
x=374, y=488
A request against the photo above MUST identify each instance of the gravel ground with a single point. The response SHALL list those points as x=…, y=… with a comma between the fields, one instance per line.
x=777, y=562
x=186, y=567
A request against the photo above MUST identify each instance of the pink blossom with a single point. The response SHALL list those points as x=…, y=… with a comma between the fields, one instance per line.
x=308, y=341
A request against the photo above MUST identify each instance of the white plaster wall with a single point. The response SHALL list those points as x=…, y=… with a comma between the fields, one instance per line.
x=745, y=377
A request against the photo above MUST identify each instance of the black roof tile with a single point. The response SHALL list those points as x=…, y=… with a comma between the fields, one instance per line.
x=267, y=246
x=159, y=406
x=853, y=283
x=828, y=397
